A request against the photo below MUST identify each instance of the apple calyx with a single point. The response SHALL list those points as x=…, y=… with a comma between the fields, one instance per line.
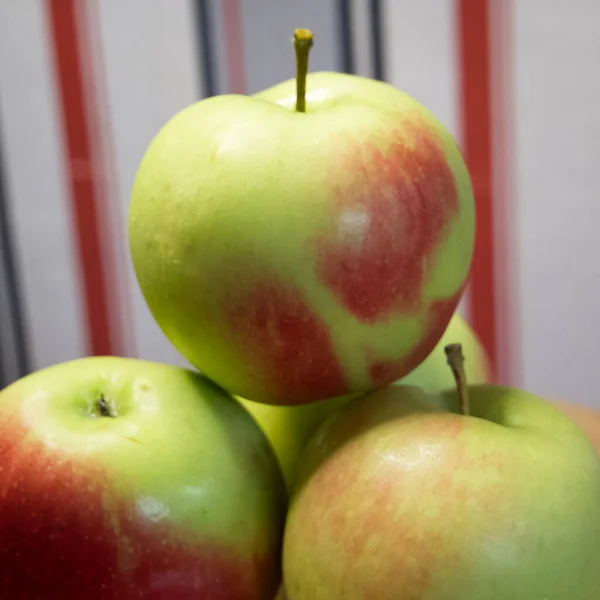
x=303, y=41
x=105, y=408
x=456, y=360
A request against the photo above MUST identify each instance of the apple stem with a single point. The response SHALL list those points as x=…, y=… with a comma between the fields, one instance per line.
x=456, y=361
x=105, y=408
x=303, y=41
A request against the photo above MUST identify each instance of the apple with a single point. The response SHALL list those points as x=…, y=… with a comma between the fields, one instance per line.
x=587, y=418
x=289, y=428
x=294, y=256
x=121, y=478
x=401, y=496
x=433, y=374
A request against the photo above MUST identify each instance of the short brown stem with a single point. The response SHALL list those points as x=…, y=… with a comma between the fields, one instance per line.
x=303, y=41
x=456, y=361
x=105, y=407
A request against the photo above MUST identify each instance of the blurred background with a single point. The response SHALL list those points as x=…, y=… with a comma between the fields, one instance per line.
x=86, y=84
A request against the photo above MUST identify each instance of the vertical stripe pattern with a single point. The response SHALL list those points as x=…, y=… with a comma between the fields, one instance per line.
x=475, y=105
x=149, y=55
x=505, y=210
x=204, y=34
x=69, y=139
x=344, y=12
x=232, y=23
x=14, y=359
x=377, y=41
x=88, y=200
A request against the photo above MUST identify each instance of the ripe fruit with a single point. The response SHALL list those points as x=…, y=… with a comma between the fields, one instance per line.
x=294, y=256
x=400, y=497
x=588, y=419
x=289, y=428
x=433, y=374
x=126, y=479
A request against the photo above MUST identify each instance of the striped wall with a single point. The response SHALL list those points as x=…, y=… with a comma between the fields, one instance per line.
x=85, y=85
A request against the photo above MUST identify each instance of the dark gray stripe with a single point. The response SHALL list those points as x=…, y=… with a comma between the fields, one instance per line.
x=377, y=41
x=345, y=35
x=204, y=34
x=13, y=340
x=268, y=29
x=3, y=375
x=9, y=368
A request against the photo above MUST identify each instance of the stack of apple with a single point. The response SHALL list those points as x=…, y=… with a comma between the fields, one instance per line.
x=305, y=249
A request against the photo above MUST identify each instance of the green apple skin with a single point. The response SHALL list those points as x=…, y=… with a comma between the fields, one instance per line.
x=400, y=498
x=434, y=375
x=289, y=428
x=293, y=257
x=178, y=496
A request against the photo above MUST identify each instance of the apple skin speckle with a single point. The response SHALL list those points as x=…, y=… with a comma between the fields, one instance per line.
x=289, y=345
x=346, y=225
x=408, y=198
x=62, y=535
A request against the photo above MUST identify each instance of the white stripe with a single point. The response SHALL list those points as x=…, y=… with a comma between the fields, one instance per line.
x=112, y=215
x=37, y=185
x=421, y=55
x=558, y=91
x=152, y=72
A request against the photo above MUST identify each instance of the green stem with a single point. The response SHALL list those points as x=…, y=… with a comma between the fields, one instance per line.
x=456, y=361
x=105, y=407
x=303, y=41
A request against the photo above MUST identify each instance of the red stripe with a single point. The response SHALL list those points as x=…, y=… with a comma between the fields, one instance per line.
x=68, y=41
x=476, y=112
x=507, y=245
x=236, y=70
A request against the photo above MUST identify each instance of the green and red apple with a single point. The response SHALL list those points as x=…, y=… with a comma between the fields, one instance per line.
x=295, y=256
x=289, y=428
x=433, y=374
x=587, y=418
x=124, y=479
x=402, y=497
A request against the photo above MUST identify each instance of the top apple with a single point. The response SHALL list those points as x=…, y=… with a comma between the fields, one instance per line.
x=303, y=243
